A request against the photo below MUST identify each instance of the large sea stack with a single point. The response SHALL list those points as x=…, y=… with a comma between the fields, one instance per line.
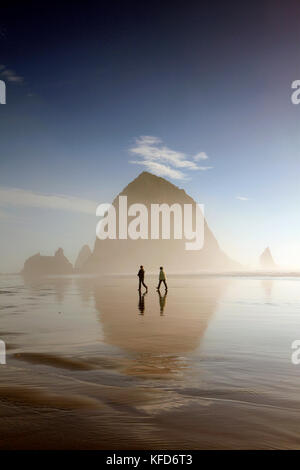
x=124, y=256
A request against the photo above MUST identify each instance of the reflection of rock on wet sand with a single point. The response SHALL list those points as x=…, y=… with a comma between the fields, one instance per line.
x=43, y=285
x=156, y=340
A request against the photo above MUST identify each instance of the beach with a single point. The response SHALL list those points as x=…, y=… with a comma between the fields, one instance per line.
x=92, y=364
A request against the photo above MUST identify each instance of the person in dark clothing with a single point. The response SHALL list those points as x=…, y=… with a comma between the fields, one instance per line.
x=141, y=276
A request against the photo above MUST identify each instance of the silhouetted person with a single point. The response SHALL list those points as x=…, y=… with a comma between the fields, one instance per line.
x=162, y=301
x=141, y=275
x=162, y=278
x=142, y=302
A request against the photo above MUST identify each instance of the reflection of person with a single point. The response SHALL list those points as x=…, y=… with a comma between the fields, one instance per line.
x=162, y=278
x=142, y=302
x=162, y=302
x=141, y=275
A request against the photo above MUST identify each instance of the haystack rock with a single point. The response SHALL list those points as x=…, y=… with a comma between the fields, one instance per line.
x=38, y=265
x=125, y=256
x=266, y=259
x=82, y=258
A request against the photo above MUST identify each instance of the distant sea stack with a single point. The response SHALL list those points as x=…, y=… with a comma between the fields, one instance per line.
x=83, y=256
x=125, y=256
x=266, y=259
x=38, y=265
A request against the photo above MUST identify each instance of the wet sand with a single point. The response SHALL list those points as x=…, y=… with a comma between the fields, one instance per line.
x=91, y=364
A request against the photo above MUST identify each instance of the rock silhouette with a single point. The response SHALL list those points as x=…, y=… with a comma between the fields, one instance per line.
x=266, y=259
x=82, y=258
x=123, y=256
x=38, y=265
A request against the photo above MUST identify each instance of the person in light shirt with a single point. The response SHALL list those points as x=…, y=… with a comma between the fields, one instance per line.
x=162, y=278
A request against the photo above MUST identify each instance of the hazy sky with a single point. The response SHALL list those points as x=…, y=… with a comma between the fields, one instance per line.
x=207, y=83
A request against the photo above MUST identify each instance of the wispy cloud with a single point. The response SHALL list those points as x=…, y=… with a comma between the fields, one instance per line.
x=24, y=198
x=162, y=160
x=160, y=169
x=242, y=198
x=2, y=31
x=10, y=75
x=200, y=156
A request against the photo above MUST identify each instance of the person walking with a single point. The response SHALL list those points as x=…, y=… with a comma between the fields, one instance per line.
x=162, y=278
x=141, y=276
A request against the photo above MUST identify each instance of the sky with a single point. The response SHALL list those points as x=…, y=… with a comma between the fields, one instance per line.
x=196, y=92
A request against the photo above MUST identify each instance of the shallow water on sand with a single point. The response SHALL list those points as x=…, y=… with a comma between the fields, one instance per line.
x=92, y=364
